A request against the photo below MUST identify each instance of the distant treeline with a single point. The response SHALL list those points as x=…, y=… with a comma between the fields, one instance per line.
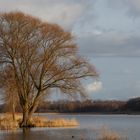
x=89, y=106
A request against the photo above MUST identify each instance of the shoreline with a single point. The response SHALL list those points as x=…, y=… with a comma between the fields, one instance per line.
x=83, y=113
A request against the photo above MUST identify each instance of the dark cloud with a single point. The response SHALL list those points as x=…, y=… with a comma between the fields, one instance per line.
x=110, y=43
x=132, y=7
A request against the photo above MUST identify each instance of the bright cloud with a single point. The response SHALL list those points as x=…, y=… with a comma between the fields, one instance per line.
x=63, y=12
x=95, y=86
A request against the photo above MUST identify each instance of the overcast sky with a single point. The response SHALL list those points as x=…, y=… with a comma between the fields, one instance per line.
x=106, y=31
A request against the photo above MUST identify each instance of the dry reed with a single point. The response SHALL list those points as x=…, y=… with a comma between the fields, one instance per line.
x=7, y=123
x=107, y=134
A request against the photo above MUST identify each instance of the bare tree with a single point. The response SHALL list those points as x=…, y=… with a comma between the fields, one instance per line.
x=42, y=56
x=8, y=85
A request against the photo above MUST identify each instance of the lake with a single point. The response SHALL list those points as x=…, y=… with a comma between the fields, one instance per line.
x=89, y=129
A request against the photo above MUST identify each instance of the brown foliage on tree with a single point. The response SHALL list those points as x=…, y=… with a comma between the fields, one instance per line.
x=41, y=56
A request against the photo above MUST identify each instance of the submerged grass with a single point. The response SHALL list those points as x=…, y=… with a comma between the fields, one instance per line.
x=107, y=134
x=43, y=122
x=7, y=123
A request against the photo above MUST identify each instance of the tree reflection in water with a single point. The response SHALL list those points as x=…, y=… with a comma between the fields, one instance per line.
x=46, y=134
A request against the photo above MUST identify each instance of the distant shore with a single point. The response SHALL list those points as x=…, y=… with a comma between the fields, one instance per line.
x=89, y=113
x=109, y=107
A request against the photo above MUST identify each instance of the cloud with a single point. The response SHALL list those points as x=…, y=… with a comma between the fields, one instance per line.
x=81, y=18
x=109, y=43
x=132, y=7
x=137, y=86
x=95, y=86
x=63, y=12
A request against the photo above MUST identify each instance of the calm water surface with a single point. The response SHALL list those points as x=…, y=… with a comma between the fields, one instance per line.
x=89, y=129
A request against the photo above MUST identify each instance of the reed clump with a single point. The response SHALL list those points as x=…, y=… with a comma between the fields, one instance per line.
x=107, y=134
x=61, y=123
x=7, y=122
x=44, y=122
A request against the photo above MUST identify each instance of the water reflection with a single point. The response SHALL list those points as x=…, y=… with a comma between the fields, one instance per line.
x=24, y=134
x=89, y=129
x=48, y=134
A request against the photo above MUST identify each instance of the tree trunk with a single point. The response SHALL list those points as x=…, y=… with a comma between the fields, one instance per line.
x=26, y=118
x=28, y=112
x=13, y=111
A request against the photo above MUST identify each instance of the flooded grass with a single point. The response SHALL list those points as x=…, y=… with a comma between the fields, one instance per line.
x=107, y=134
x=42, y=122
x=7, y=123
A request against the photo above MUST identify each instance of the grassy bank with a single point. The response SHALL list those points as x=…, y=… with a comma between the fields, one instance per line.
x=7, y=123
